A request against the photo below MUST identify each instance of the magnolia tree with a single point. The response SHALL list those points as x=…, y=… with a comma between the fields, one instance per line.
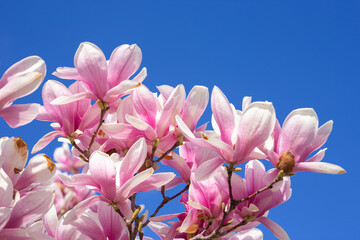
x=116, y=134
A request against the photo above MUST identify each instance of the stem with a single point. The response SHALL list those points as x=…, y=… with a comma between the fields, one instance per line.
x=167, y=152
x=165, y=201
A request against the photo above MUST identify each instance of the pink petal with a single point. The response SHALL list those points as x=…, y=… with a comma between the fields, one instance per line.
x=67, y=73
x=133, y=160
x=102, y=169
x=299, y=129
x=19, y=115
x=121, y=130
x=318, y=156
x=113, y=225
x=5, y=213
x=124, y=61
x=79, y=209
x=91, y=64
x=88, y=225
x=164, y=217
x=6, y=190
x=195, y=105
x=141, y=76
x=120, y=90
x=45, y=140
x=165, y=91
x=320, y=167
x=278, y=231
x=142, y=126
x=73, y=98
x=153, y=182
x=40, y=169
x=51, y=221
x=126, y=189
x=19, y=86
x=223, y=114
x=78, y=180
x=30, y=208
x=208, y=168
x=24, y=66
x=180, y=165
x=13, y=156
x=256, y=124
x=145, y=105
x=171, y=109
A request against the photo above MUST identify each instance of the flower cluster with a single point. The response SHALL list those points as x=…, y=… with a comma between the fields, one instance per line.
x=121, y=134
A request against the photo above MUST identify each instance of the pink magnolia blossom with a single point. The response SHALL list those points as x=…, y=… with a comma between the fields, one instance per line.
x=21, y=79
x=115, y=179
x=256, y=209
x=104, y=80
x=290, y=146
x=69, y=119
x=65, y=161
x=38, y=173
x=238, y=134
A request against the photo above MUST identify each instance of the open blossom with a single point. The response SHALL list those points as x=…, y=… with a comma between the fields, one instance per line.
x=69, y=119
x=104, y=80
x=115, y=179
x=290, y=146
x=21, y=79
x=256, y=209
x=238, y=134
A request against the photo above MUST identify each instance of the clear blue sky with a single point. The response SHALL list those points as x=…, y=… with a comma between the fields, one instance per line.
x=292, y=53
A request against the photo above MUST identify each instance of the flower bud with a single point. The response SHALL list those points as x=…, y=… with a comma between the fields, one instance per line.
x=286, y=162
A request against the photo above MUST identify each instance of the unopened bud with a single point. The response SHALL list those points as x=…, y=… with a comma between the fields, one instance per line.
x=286, y=162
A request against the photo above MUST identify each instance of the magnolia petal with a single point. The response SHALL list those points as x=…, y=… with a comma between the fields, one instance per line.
x=164, y=217
x=180, y=165
x=45, y=140
x=67, y=73
x=88, y=225
x=30, y=208
x=133, y=160
x=20, y=114
x=51, y=221
x=154, y=181
x=90, y=118
x=39, y=169
x=73, y=98
x=320, y=167
x=6, y=190
x=299, y=129
x=208, y=168
x=278, y=231
x=318, y=156
x=184, y=128
x=142, y=126
x=223, y=115
x=103, y=171
x=172, y=107
x=113, y=225
x=124, y=61
x=120, y=90
x=255, y=126
x=78, y=180
x=121, y=130
x=24, y=66
x=141, y=76
x=145, y=105
x=5, y=213
x=19, y=86
x=13, y=156
x=194, y=106
x=91, y=64
x=79, y=209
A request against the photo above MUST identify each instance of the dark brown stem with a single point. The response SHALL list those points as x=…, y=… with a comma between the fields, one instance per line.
x=167, y=152
x=165, y=201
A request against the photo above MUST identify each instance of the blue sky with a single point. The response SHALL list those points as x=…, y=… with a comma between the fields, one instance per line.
x=293, y=53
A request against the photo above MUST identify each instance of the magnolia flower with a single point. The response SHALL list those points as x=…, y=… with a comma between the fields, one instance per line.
x=69, y=119
x=21, y=79
x=289, y=147
x=238, y=134
x=115, y=179
x=104, y=80
x=256, y=209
